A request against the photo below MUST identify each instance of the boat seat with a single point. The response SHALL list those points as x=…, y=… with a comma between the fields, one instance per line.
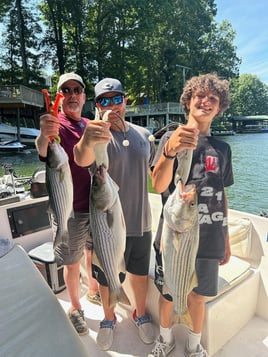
x=32, y=321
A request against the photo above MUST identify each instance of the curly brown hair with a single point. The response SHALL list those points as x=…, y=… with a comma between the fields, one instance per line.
x=206, y=83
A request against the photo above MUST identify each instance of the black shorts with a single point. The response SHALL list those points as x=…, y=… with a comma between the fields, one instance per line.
x=207, y=271
x=137, y=258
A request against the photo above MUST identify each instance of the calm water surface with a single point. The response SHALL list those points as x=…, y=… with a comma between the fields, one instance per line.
x=250, y=164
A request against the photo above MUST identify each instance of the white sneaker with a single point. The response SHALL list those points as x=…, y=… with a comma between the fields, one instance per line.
x=105, y=335
x=162, y=348
x=200, y=352
x=145, y=327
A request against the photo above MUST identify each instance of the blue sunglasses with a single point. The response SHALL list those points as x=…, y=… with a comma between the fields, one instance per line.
x=106, y=101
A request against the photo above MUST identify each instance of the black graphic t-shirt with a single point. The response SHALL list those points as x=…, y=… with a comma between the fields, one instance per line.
x=211, y=171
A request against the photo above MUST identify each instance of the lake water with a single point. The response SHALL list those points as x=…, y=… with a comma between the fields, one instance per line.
x=250, y=164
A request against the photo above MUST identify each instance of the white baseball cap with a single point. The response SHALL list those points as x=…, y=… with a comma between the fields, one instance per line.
x=69, y=77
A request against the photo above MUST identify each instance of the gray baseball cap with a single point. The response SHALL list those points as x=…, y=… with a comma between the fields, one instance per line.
x=69, y=77
x=107, y=85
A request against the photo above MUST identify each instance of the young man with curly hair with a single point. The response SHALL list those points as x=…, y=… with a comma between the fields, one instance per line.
x=203, y=98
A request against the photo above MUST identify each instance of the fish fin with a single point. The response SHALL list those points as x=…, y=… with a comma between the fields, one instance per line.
x=95, y=259
x=61, y=177
x=62, y=240
x=116, y=296
x=123, y=297
x=110, y=218
x=122, y=266
x=193, y=281
x=49, y=209
x=176, y=241
x=183, y=170
x=161, y=246
x=123, y=221
x=184, y=319
x=165, y=290
x=113, y=298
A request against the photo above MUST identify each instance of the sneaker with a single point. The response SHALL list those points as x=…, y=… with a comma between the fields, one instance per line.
x=162, y=348
x=145, y=327
x=200, y=352
x=105, y=335
x=78, y=320
x=95, y=299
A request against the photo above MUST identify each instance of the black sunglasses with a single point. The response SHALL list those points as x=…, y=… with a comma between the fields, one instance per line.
x=70, y=90
x=106, y=101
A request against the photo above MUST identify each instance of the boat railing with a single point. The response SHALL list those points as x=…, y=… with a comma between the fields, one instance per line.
x=21, y=94
x=168, y=107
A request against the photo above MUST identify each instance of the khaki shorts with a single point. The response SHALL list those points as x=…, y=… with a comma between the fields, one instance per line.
x=80, y=239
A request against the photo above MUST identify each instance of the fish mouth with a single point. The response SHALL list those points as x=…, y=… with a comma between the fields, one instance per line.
x=99, y=175
x=187, y=193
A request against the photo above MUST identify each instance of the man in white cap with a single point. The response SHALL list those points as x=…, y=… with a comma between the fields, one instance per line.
x=69, y=125
x=128, y=167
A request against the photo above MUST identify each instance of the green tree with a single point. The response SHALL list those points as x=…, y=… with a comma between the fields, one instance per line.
x=66, y=44
x=152, y=46
x=53, y=41
x=218, y=53
x=20, y=57
x=249, y=96
x=5, y=6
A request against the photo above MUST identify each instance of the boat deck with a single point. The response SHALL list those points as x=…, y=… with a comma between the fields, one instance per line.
x=236, y=321
x=252, y=340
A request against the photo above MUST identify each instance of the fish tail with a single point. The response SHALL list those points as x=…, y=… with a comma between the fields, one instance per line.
x=118, y=296
x=123, y=297
x=61, y=239
x=113, y=299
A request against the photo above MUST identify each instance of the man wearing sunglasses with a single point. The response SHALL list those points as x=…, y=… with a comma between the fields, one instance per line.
x=69, y=125
x=128, y=167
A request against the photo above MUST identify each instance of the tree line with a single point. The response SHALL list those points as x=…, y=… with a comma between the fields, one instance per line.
x=152, y=46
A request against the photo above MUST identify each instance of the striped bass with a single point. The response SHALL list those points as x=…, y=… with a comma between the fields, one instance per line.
x=107, y=225
x=180, y=237
x=60, y=191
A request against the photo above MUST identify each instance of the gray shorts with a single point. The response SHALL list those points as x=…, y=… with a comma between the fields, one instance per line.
x=207, y=271
x=80, y=239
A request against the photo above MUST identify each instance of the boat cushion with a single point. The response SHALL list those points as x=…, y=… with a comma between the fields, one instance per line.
x=32, y=321
x=240, y=236
x=232, y=274
x=237, y=269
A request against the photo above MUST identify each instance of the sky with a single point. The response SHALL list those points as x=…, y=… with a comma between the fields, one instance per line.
x=249, y=19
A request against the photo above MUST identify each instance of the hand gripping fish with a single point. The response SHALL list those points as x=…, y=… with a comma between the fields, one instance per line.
x=59, y=182
x=180, y=237
x=107, y=225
